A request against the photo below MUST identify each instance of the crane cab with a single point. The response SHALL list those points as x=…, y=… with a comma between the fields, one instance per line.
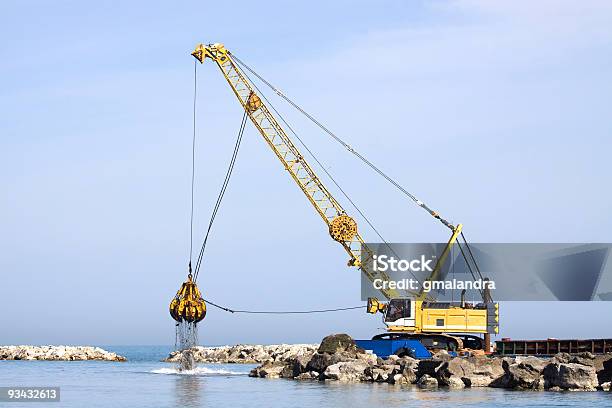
x=417, y=316
x=400, y=312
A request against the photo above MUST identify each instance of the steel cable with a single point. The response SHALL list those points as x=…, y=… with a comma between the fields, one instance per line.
x=228, y=175
x=227, y=309
x=347, y=146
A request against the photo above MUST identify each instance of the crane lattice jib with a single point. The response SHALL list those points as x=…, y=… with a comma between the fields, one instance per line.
x=342, y=228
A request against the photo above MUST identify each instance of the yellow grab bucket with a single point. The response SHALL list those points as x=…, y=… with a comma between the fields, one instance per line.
x=188, y=304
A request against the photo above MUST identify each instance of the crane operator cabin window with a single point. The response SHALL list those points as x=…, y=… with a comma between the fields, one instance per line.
x=398, y=309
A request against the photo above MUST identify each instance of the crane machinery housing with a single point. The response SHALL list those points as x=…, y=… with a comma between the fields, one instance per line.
x=414, y=323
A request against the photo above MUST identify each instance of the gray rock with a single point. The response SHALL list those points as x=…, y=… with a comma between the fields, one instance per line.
x=392, y=359
x=320, y=361
x=55, y=353
x=483, y=371
x=346, y=371
x=521, y=374
x=455, y=369
x=428, y=367
x=271, y=369
x=247, y=354
x=427, y=381
x=408, y=362
x=335, y=343
x=602, y=363
x=369, y=359
x=441, y=355
x=310, y=375
x=455, y=382
x=570, y=376
x=604, y=374
x=383, y=373
x=585, y=358
x=299, y=363
x=409, y=376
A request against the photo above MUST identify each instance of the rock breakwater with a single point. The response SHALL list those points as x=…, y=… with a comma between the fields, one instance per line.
x=57, y=353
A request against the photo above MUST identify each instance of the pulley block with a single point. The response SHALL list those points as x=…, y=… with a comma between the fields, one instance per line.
x=343, y=228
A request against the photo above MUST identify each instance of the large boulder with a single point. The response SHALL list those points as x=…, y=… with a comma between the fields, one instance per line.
x=382, y=373
x=299, y=363
x=602, y=363
x=310, y=375
x=485, y=371
x=427, y=381
x=429, y=367
x=570, y=376
x=320, y=361
x=335, y=348
x=477, y=371
x=408, y=362
x=271, y=369
x=604, y=374
x=584, y=358
x=335, y=343
x=368, y=358
x=407, y=374
x=521, y=374
x=346, y=371
x=453, y=371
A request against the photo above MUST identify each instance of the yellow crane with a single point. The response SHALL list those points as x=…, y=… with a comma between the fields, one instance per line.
x=414, y=314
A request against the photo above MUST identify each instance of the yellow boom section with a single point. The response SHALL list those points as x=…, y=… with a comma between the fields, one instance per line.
x=342, y=228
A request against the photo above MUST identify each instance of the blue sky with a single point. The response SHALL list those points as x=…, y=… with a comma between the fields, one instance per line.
x=497, y=114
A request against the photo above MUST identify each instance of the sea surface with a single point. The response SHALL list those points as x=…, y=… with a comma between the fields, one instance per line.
x=145, y=381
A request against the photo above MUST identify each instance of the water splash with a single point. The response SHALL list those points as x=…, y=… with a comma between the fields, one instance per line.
x=186, y=338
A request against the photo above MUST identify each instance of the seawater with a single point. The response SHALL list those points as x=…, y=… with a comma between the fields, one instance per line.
x=145, y=381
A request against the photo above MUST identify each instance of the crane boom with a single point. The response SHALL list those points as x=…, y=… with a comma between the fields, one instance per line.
x=342, y=227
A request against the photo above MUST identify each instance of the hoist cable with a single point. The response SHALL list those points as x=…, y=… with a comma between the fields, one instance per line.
x=228, y=175
x=472, y=255
x=221, y=194
x=487, y=298
x=347, y=146
x=294, y=133
x=470, y=268
x=364, y=160
x=195, y=94
x=227, y=309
